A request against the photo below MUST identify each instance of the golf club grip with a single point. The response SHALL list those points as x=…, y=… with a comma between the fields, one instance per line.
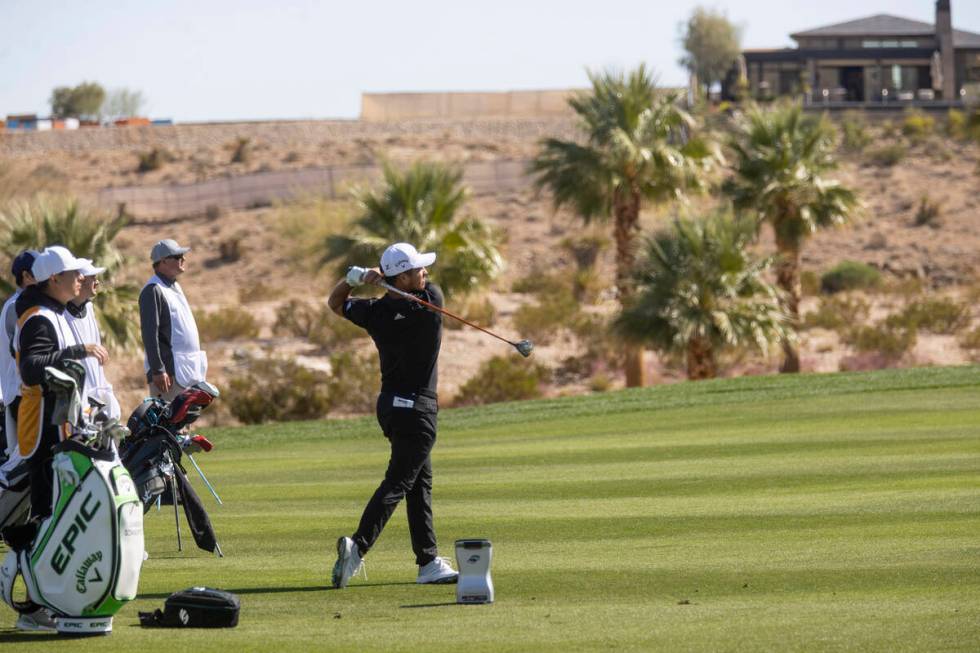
x=408, y=295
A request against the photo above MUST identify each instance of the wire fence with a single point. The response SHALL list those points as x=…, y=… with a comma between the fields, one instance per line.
x=264, y=188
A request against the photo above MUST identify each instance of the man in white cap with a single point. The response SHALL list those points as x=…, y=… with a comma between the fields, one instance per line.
x=174, y=360
x=81, y=318
x=408, y=337
x=44, y=338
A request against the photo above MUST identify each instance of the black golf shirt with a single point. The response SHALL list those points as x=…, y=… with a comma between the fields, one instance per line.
x=407, y=335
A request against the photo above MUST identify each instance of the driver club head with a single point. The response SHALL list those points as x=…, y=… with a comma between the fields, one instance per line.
x=525, y=347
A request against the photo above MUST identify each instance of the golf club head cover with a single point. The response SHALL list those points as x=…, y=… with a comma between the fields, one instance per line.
x=195, y=607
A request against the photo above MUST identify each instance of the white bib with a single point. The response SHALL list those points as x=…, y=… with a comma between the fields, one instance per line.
x=190, y=363
x=97, y=386
x=9, y=376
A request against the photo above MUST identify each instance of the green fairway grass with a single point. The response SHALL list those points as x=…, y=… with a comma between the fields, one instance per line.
x=791, y=513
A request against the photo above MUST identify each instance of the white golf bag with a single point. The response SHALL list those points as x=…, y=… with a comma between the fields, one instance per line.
x=83, y=562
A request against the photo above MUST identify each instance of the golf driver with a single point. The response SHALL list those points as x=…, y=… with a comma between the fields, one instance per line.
x=523, y=347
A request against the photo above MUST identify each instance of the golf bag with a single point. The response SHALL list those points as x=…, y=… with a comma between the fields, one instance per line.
x=15, y=500
x=154, y=451
x=83, y=562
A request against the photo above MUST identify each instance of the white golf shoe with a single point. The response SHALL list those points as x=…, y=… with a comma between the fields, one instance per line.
x=39, y=620
x=439, y=571
x=348, y=563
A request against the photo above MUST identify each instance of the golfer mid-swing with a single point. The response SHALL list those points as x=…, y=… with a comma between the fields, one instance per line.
x=408, y=337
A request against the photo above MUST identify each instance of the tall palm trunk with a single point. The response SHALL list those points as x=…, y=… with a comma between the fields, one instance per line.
x=700, y=359
x=627, y=213
x=788, y=278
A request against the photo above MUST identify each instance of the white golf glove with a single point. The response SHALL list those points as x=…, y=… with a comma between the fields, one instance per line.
x=355, y=276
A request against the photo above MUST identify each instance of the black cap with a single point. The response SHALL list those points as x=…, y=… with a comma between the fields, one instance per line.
x=22, y=263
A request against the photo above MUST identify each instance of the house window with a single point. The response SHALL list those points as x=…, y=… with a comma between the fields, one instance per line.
x=909, y=44
x=870, y=44
x=889, y=44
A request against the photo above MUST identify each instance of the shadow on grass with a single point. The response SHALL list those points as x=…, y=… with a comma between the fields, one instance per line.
x=14, y=636
x=284, y=590
x=429, y=605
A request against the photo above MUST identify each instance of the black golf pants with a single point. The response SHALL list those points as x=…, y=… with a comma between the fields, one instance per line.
x=412, y=434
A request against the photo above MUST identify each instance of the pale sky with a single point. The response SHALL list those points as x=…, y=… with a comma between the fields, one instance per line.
x=245, y=59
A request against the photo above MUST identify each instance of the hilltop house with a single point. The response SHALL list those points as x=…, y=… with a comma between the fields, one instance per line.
x=876, y=60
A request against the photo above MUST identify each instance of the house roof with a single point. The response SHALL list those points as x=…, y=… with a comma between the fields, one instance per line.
x=888, y=25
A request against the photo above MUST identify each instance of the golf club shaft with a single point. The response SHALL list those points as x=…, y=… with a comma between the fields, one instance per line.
x=412, y=297
x=205, y=479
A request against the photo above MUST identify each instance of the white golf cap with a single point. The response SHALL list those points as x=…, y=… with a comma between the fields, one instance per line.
x=54, y=260
x=165, y=248
x=402, y=257
x=89, y=269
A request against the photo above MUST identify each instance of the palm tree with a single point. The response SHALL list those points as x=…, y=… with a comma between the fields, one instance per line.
x=639, y=147
x=781, y=157
x=63, y=221
x=421, y=206
x=700, y=292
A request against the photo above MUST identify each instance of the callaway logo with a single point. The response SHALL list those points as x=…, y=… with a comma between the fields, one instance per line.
x=399, y=316
x=473, y=559
x=184, y=617
x=80, y=575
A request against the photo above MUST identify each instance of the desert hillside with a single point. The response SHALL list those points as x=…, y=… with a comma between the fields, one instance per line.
x=264, y=257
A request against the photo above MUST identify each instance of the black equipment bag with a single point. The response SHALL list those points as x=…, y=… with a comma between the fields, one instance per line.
x=195, y=607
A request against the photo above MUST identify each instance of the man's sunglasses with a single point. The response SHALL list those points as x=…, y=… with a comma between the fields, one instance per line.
x=176, y=257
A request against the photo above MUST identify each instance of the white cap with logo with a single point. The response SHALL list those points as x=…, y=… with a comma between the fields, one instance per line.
x=402, y=257
x=54, y=260
x=89, y=269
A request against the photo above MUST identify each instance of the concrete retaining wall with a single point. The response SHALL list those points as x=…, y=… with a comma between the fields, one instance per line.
x=386, y=107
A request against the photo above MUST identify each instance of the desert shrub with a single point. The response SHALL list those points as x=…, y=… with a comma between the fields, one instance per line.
x=306, y=221
x=277, y=390
x=229, y=323
x=542, y=320
x=890, y=340
x=971, y=340
x=917, y=125
x=258, y=292
x=354, y=382
x=603, y=350
x=153, y=160
x=904, y=287
x=956, y=123
x=539, y=282
x=291, y=157
x=503, y=378
x=478, y=310
x=230, y=250
x=809, y=282
x=836, y=312
x=936, y=315
x=855, y=135
x=241, y=150
x=601, y=382
x=886, y=155
x=316, y=323
x=888, y=129
x=928, y=213
x=213, y=212
x=849, y=275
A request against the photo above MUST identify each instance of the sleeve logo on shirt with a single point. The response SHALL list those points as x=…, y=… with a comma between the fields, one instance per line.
x=399, y=316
